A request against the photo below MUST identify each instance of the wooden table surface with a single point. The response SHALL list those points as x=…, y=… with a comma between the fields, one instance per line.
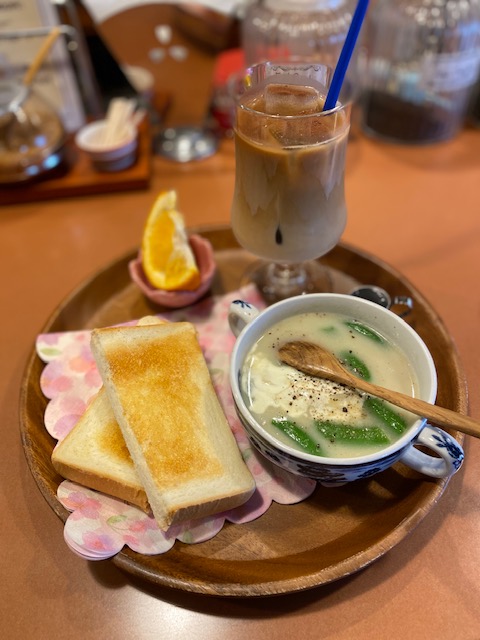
x=416, y=208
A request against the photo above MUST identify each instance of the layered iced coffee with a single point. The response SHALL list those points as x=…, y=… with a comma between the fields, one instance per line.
x=289, y=203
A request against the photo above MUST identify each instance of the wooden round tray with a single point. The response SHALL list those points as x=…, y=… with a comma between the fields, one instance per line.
x=336, y=531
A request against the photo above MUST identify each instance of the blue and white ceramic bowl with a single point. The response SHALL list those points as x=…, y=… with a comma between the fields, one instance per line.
x=249, y=324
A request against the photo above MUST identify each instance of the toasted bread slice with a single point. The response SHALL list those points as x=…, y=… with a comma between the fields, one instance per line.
x=181, y=444
x=95, y=455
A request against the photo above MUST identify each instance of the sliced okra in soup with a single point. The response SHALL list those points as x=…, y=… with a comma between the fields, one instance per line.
x=297, y=435
x=355, y=435
x=384, y=412
x=363, y=330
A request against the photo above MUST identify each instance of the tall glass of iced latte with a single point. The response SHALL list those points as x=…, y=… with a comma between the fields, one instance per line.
x=289, y=204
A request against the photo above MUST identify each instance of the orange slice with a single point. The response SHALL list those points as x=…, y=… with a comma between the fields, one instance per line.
x=167, y=259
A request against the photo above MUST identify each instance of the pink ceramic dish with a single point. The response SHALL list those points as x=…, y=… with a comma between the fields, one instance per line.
x=203, y=252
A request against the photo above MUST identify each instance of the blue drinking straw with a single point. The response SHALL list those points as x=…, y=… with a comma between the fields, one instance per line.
x=345, y=55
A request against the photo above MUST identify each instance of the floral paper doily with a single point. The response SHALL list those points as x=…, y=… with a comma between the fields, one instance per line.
x=99, y=525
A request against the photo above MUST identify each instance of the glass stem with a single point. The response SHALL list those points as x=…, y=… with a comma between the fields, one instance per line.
x=287, y=279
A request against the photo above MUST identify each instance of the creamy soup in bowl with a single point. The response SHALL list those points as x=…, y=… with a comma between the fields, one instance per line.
x=321, y=429
x=320, y=416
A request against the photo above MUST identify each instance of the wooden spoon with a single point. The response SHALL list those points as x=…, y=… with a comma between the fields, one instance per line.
x=317, y=361
x=33, y=69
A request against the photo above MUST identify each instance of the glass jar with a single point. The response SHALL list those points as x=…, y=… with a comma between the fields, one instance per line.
x=474, y=110
x=308, y=29
x=32, y=137
x=422, y=61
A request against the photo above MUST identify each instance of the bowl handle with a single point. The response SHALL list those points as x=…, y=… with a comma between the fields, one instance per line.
x=240, y=314
x=443, y=445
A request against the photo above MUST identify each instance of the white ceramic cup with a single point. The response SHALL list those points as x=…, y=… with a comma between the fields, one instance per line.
x=249, y=324
x=108, y=157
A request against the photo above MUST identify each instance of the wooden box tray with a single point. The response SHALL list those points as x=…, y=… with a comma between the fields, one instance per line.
x=81, y=179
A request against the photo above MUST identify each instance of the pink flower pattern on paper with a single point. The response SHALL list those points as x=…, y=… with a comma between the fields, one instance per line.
x=99, y=525
x=82, y=503
x=97, y=541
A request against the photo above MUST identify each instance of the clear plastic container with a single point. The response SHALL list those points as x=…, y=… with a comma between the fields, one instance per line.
x=308, y=29
x=422, y=62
